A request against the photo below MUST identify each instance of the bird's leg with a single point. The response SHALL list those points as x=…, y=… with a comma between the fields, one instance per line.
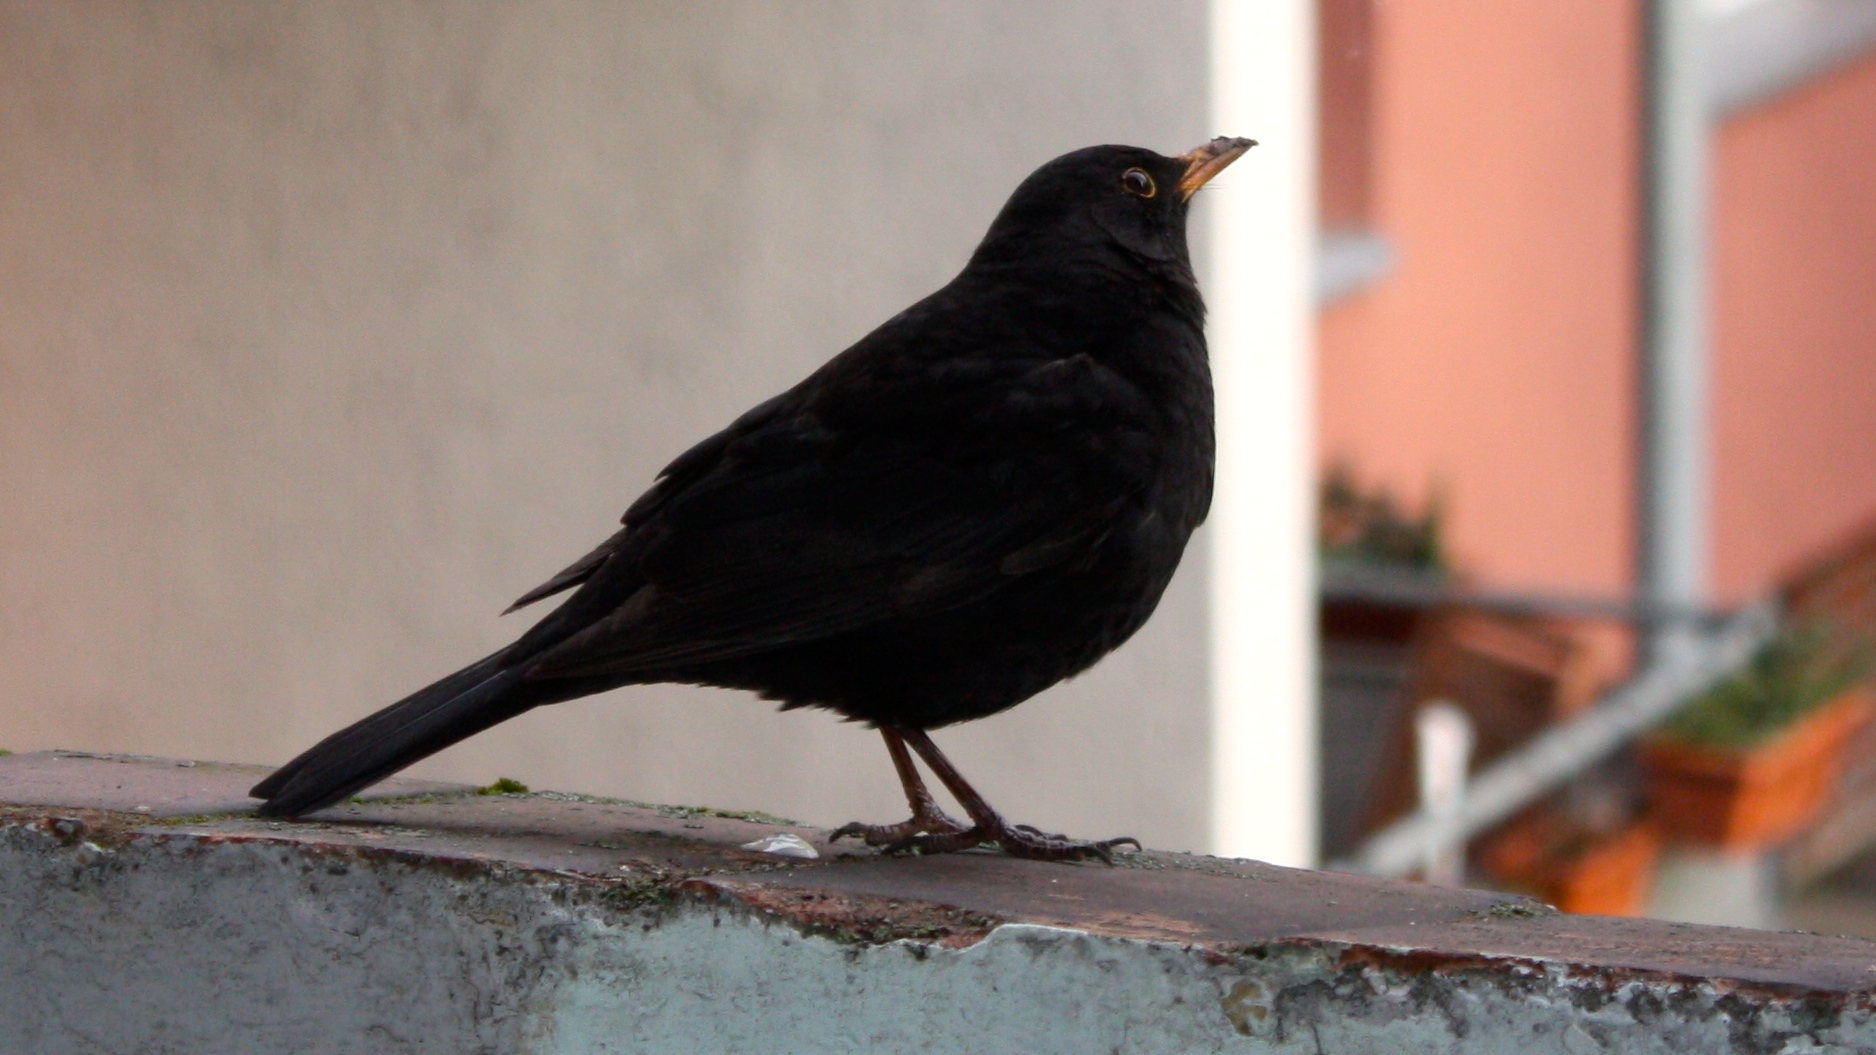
x=927, y=818
x=990, y=827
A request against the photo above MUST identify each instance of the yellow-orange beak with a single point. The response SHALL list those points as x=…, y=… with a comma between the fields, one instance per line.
x=1202, y=163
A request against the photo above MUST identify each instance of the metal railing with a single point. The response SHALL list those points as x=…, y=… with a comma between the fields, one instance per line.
x=1555, y=756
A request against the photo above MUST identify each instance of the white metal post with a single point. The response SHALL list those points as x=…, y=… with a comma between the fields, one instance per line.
x=1673, y=484
x=1262, y=231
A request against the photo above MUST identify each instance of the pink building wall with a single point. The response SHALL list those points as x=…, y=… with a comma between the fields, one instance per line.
x=1794, y=241
x=1497, y=361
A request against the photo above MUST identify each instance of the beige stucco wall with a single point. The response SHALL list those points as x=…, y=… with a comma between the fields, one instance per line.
x=326, y=329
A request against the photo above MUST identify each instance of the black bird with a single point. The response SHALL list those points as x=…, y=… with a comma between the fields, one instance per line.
x=984, y=496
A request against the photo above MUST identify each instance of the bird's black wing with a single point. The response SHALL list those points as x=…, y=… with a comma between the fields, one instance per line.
x=814, y=520
x=682, y=472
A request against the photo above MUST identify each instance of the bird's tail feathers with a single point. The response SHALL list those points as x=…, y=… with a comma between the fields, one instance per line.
x=480, y=695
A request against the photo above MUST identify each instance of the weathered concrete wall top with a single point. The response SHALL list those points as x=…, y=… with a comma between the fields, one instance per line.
x=140, y=911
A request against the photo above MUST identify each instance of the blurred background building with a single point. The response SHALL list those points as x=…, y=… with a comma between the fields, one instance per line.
x=1489, y=156
x=325, y=330
x=1480, y=383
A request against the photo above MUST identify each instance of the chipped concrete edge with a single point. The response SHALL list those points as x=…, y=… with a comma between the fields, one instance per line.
x=119, y=938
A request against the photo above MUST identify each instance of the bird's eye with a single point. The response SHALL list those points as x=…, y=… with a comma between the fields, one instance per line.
x=1136, y=181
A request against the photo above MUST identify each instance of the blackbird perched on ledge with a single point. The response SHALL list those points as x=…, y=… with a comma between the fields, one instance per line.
x=984, y=496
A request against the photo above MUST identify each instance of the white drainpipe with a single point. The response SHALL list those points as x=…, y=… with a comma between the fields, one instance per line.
x=1261, y=215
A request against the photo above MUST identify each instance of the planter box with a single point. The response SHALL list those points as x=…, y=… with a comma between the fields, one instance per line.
x=1757, y=798
x=1599, y=874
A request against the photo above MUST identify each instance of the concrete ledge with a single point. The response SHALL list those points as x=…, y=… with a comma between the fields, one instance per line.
x=431, y=919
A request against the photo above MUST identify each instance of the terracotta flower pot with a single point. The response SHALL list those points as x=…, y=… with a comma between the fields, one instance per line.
x=1755, y=798
x=1607, y=874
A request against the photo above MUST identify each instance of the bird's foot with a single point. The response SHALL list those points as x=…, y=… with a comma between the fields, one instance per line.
x=931, y=832
x=1018, y=840
x=1024, y=841
x=932, y=824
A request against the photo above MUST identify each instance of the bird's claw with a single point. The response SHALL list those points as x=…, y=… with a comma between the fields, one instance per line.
x=1056, y=842
x=923, y=843
x=890, y=836
x=1020, y=840
x=1035, y=846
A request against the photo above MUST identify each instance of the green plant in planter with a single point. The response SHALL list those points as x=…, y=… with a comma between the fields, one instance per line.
x=1790, y=676
x=1360, y=525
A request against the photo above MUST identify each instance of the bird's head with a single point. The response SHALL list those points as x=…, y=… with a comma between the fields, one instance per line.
x=1106, y=202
